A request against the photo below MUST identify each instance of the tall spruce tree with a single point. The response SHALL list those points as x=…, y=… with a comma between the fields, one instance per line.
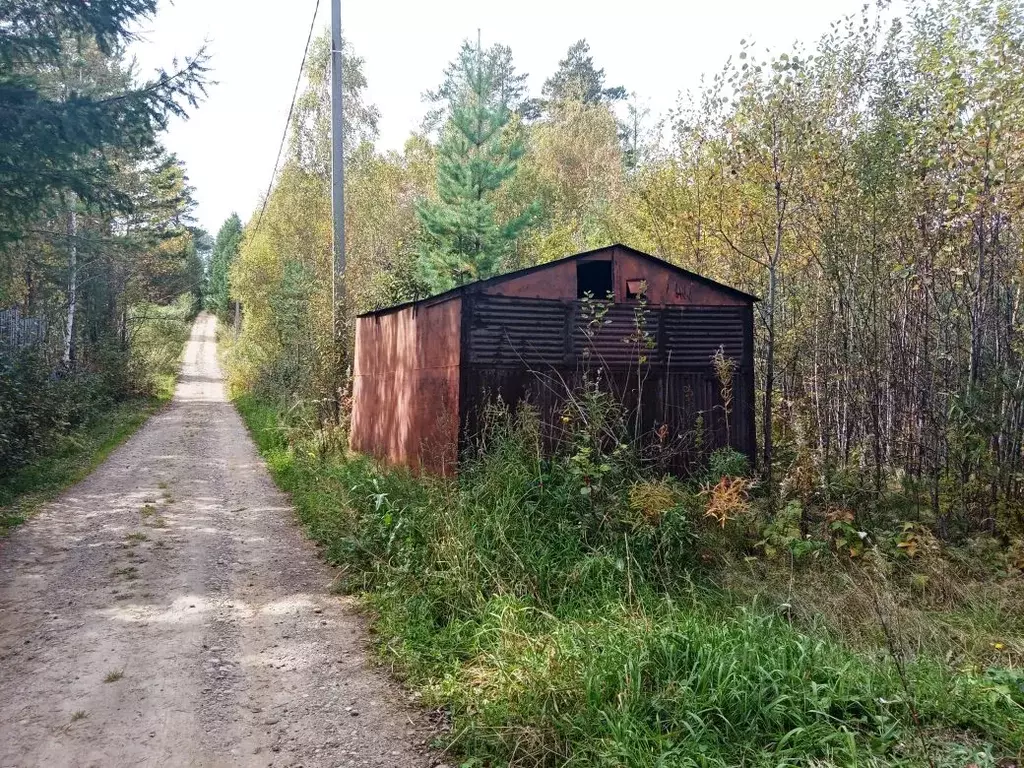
x=578, y=79
x=62, y=118
x=225, y=248
x=461, y=237
x=508, y=85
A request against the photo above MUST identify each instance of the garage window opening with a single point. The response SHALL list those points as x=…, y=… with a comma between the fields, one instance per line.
x=594, y=278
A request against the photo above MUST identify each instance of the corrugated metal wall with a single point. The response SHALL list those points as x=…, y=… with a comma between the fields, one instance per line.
x=620, y=335
x=692, y=335
x=540, y=350
x=405, y=386
x=509, y=331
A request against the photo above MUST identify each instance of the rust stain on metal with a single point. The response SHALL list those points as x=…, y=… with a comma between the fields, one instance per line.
x=425, y=371
x=406, y=386
x=665, y=287
x=556, y=282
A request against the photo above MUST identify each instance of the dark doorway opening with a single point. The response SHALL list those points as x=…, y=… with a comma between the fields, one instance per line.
x=593, y=277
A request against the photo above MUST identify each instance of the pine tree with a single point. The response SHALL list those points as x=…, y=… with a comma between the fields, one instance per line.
x=578, y=79
x=462, y=240
x=225, y=248
x=58, y=133
x=508, y=86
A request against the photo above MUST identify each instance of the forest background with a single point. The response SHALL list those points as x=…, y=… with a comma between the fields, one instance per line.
x=854, y=598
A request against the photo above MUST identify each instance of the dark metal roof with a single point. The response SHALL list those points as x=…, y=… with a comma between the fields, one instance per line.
x=468, y=287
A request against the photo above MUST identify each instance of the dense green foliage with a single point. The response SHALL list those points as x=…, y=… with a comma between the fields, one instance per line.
x=577, y=79
x=57, y=132
x=225, y=249
x=462, y=240
x=564, y=628
x=97, y=243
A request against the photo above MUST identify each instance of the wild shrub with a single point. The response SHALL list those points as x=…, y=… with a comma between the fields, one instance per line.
x=561, y=627
x=727, y=500
x=27, y=415
x=727, y=462
x=782, y=537
x=42, y=402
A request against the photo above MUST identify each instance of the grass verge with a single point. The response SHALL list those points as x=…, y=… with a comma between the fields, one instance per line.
x=556, y=628
x=24, y=490
x=157, y=345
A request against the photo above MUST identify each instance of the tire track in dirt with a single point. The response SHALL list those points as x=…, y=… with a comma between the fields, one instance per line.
x=168, y=611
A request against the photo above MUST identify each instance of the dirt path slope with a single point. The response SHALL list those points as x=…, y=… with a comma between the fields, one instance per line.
x=167, y=611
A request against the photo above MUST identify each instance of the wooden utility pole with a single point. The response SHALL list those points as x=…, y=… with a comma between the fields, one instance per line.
x=337, y=170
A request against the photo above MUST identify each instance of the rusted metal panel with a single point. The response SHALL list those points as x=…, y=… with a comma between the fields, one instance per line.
x=615, y=335
x=692, y=335
x=510, y=331
x=556, y=282
x=745, y=399
x=685, y=422
x=666, y=286
x=505, y=331
x=406, y=386
x=656, y=361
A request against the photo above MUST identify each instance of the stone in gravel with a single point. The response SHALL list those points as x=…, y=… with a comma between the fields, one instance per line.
x=195, y=700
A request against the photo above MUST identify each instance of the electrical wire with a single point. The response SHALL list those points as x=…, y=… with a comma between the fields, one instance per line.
x=287, y=123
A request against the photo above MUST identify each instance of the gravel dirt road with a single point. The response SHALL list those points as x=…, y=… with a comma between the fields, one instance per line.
x=167, y=611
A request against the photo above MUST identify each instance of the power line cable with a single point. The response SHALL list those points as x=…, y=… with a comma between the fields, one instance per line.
x=287, y=123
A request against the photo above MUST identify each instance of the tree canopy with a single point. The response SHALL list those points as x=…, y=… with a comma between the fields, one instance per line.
x=462, y=237
x=578, y=79
x=58, y=130
x=225, y=249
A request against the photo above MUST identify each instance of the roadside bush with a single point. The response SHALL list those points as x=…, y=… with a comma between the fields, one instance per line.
x=41, y=403
x=27, y=415
x=158, y=334
x=564, y=627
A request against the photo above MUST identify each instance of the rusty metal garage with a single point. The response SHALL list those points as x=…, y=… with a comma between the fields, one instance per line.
x=424, y=370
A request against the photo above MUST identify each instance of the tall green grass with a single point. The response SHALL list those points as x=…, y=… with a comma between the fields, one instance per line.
x=557, y=629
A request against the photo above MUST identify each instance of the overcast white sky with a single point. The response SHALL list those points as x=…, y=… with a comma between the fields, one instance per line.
x=656, y=48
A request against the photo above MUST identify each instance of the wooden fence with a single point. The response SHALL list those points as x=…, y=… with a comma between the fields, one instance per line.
x=18, y=332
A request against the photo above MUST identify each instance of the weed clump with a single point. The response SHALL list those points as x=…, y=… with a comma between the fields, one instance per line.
x=570, y=608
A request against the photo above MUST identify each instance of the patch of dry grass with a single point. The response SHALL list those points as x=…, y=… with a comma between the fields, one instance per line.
x=934, y=605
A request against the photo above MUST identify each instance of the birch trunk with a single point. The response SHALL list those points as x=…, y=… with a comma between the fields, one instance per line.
x=69, y=331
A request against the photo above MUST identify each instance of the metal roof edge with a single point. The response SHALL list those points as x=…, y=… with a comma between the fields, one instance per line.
x=680, y=270
x=439, y=298
x=475, y=286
